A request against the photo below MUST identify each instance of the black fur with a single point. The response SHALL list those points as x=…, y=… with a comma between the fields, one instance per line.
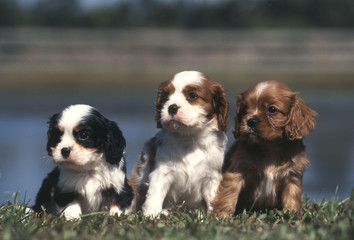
x=49, y=195
x=101, y=134
x=115, y=145
x=104, y=133
x=53, y=133
x=122, y=199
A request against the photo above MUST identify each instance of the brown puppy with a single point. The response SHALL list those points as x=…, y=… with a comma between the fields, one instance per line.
x=264, y=167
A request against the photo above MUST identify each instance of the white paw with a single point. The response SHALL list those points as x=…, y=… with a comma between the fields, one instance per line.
x=72, y=212
x=165, y=212
x=114, y=210
x=151, y=212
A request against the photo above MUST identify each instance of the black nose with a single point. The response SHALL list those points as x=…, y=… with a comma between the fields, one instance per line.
x=252, y=123
x=65, y=152
x=172, y=109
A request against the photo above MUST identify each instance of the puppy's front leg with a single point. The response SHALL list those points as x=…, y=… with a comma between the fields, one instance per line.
x=72, y=211
x=292, y=195
x=227, y=194
x=209, y=188
x=160, y=182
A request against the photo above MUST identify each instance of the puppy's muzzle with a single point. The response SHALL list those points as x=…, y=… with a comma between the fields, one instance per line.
x=172, y=109
x=252, y=123
x=65, y=152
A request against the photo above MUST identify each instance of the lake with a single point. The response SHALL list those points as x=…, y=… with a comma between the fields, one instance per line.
x=23, y=126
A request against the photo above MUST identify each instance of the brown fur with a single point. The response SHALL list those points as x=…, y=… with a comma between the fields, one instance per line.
x=140, y=189
x=211, y=96
x=164, y=90
x=264, y=167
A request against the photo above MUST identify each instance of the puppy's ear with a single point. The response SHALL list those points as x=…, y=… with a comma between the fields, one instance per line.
x=53, y=133
x=240, y=108
x=221, y=106
x=161, y=98
x=115, y=144
x=301, y=119
x=158, y=107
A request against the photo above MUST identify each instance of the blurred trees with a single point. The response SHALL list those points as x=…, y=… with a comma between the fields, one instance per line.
x=10, y=13
x=182, y=13
x=56, y=13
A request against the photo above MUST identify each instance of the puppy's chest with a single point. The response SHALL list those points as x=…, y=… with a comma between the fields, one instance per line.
x=187, y=166
x=188, y=176
x=189, y=161
x=89, y=187
x=192, y=160
x=270, y=179
x=266, y=187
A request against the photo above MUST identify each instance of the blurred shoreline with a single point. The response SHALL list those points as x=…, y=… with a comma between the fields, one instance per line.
x=99, y=59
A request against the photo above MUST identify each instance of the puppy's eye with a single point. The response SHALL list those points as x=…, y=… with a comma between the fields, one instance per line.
x=83, y=135
x=272, y=110
x=192, y=96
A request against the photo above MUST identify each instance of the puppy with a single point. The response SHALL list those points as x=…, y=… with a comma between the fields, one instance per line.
x=90, y=176
x=264, y=167
x=182, y=163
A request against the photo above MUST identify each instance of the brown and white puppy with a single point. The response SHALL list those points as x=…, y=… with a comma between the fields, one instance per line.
x=182, y=163
x=264, y=167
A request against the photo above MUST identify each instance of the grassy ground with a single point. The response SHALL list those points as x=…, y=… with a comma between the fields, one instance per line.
x=321, y=220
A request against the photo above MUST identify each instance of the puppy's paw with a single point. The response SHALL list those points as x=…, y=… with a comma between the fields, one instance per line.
x=72, y=212
x=151, y=212
x=115, y=210
x=164, y=212
x=221, y=213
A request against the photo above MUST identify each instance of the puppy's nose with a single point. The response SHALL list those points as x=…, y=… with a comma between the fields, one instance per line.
x=252, y=123
x=65, y=152
x=172, y=109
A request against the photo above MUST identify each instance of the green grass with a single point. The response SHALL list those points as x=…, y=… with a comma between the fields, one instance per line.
x=321, y=220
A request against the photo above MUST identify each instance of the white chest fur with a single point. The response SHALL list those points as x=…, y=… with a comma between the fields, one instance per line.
x=186, y=170
x=89, y=184
x=266, y=189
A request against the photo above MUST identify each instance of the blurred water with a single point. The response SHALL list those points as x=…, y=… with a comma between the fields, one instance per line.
x=24, y=161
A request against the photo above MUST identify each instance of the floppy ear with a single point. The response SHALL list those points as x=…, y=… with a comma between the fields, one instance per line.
x=301, y=119
x=161, y=98
x=221, y=106
x=239, y=113
x=53, y=133
x=115, y=144
x=158, y=107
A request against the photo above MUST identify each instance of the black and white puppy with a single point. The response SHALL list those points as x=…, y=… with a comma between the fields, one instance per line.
x=91, y=172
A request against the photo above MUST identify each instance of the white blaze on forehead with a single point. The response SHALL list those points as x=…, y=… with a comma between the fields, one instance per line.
x=260, y=88
x=182, y=79
x=187, y=114
x=73, y=114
